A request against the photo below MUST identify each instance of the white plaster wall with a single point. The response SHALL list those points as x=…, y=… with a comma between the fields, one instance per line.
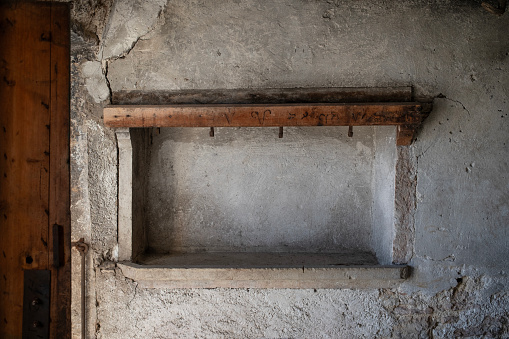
x=383, y=193
x=452, y=50
x=248, y=190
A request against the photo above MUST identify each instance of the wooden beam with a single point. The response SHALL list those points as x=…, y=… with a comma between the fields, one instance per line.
x=267, y=115
x=405, y=134
x=264, y=96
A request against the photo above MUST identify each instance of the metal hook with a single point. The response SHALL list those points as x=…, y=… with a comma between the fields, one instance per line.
x=81, y=246
x=280, y=131
x=211, y=133
x=495, y=10
x=350, y=131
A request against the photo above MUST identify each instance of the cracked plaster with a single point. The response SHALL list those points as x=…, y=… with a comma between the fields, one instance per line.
x=95, y=81
x=130, y=21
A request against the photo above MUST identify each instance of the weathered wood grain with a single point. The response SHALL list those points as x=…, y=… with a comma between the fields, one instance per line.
x=34, y=145
x=265, y=96
x=24, y=162
x=221, y=115
x=59, y=195
x=405, y=134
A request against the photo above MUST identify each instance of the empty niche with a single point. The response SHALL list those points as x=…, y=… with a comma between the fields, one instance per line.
x=246, y=193
x=246, y=208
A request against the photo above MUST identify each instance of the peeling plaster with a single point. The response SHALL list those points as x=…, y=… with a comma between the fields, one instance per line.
x=95, y=81
x=130, y=22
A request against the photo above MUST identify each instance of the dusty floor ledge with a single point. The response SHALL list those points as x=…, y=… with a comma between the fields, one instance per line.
x=292, y=272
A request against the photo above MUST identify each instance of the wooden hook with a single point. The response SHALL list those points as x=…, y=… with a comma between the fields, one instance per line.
x=350, y=131
x=280, y=131
x=211, y=133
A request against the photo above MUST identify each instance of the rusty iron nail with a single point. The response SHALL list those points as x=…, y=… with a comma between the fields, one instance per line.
x=350, y=131
x=211, y=133
x=495, y=10
x=82, y=247
x=280, y=131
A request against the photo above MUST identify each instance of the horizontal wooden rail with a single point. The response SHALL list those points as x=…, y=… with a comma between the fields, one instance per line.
x=264, y=96
x=407, y=115
x=266, y=115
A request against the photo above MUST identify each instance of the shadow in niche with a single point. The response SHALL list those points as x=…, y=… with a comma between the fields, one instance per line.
x=248, y=191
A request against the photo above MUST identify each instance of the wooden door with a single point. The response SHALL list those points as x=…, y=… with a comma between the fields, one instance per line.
x=34, y=160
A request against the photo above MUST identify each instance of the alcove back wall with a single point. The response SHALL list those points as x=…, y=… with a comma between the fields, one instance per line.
x=247, y=190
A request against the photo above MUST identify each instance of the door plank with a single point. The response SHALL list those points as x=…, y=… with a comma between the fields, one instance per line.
x=24, y=164
x=59, y=198
x=27, y=204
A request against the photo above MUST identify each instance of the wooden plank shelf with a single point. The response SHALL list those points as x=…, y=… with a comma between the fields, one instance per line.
x=408, y=116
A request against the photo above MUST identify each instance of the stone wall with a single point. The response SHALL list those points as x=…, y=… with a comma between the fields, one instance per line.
x=455, y=215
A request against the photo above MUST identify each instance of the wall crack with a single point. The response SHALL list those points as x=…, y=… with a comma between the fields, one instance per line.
x=105, y=65
x=135, y=294
x=442, y=96
x=120, y=39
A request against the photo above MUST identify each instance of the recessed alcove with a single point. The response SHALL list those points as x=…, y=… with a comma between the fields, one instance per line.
x=247, y=208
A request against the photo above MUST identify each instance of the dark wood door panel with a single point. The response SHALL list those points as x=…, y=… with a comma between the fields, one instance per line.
x=34, y=139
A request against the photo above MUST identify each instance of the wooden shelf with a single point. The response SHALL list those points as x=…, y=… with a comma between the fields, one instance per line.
x=257, y=108
x=408, y=116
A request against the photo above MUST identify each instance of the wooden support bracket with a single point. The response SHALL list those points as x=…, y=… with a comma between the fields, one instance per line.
x=405, y=134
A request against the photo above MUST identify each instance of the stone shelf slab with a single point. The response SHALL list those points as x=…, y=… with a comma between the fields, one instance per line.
x=264, y=270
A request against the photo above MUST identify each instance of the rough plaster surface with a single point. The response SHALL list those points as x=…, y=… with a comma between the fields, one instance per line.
x=383, y=191
x=89, y=18
x=130, y=21
x=453, y=50
x=94, y=81
x=248, y=313
x=404, y=209
x=254, y=313
x=248, y=190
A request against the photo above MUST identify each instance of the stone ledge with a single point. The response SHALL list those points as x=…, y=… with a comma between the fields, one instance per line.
x=351, y=277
